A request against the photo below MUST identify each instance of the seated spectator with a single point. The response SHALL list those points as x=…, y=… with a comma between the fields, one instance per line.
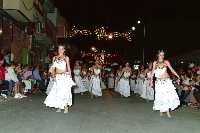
x=27, y=79
x=187, y=95
x=37, y=77
x=27, y=73
x=13, y=82
x=7, y=58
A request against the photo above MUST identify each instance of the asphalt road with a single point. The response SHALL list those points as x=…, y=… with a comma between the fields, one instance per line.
x=108, y=114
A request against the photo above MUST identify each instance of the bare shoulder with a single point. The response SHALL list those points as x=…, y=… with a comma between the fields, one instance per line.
x=66, y=58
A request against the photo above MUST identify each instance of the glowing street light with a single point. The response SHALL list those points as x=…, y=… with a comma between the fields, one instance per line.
x=110, y=36
x=138, y=21
x=133, y=28
x=93, y=49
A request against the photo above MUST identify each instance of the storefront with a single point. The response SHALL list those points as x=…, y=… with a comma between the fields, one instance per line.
x=14, y=39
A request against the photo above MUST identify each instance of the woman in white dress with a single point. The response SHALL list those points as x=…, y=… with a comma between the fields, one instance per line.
x=103, y=85
x=148, y=91
x=95, y=80
x=78, y=79
x=166, y=97
x=124, y=83
x=85, y=79
x=140, y=81
x=118, y=76
x=60, y=95
x=133, y=82
x=50, y=85
x=111, y=80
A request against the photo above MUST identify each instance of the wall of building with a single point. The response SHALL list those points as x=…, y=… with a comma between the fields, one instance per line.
x=25, y=6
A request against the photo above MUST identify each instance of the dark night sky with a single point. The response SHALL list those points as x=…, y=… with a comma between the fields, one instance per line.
x=171, y=25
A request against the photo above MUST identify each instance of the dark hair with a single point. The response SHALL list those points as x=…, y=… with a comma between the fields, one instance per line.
x=1, y=56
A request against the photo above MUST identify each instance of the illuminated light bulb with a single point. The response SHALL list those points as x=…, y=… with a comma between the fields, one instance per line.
x=93, y=49
x=110, y=36
x=138, y=21
x=133, y=28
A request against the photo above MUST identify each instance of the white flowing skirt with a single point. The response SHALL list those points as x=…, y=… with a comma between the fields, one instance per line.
x=166, y=97
x=111, y=82
x=124, y=87
x=79, y=85
x=50, y=85
x=86, y=84
x=133, y=84
x=139, y=86
x=147, y=91
x=60, y=94
x=95, y=86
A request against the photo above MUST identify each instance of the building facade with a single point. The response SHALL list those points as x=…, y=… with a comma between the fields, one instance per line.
x=27, y=29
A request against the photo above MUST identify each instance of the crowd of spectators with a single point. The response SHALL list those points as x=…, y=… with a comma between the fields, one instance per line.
x=18, y=81
x=189, y=88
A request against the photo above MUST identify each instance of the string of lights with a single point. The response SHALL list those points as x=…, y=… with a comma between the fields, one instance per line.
x=100, y=33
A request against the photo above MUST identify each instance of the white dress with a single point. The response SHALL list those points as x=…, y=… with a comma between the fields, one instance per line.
x=111, y=81
x=50, y=85
x=139, y=85
x=148, y=91
x=133, y=84
x=60, y=94
x=78, y=80
x=96, y=83
x=124, y=85
x=85, y=81
x=166, y=97
x=117, y=82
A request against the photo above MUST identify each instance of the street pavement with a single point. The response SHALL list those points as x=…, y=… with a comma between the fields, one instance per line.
x=108, y=114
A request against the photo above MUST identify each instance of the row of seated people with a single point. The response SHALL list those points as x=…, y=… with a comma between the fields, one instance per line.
x=18, y=81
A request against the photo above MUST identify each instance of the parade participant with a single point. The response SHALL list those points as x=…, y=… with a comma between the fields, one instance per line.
x=118, y=76
x=124, y=82
x=166, y=97
x=96, y=89
x=78, y=79
x=60, y=96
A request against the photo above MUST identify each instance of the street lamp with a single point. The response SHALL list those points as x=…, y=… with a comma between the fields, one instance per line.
x=93, y=49
x=138, y=21
x=110, y=36
x=133, y=28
